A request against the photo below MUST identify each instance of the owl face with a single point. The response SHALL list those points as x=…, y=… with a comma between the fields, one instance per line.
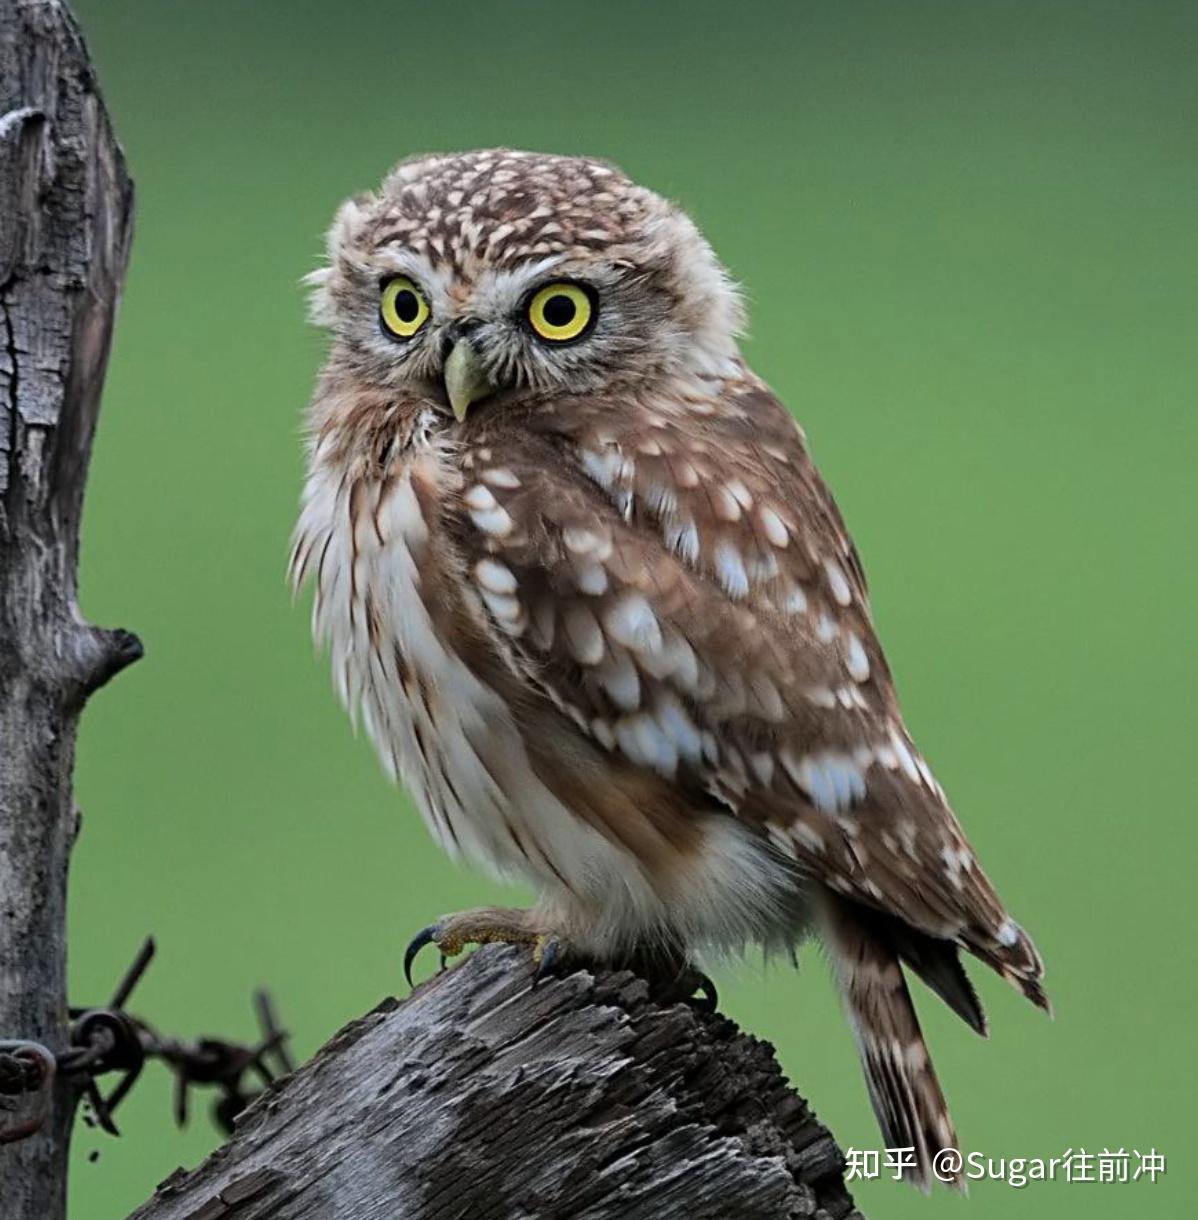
x=496, y=276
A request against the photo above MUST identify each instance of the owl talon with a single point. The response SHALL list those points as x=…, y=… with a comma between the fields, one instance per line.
x=687, y=985
x=547, y=952
x=708, y=999
x=426, y=936
x=482, y=926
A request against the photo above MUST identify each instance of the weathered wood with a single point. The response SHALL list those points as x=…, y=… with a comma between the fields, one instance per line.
x=65, y=219
x=481, y=1097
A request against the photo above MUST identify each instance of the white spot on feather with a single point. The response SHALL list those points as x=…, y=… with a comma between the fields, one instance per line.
x=660, y=500
x=807, y=836
x=838, y=583
x=619, y=678
x=591, y=578
x=603, y=733
x=608, y=469
x=586, y=542
x=833, y=781
x=495, y=576
x=683, y=539
x=480, y=497
x=730, y=568
x=642, y=739
x=493, y=521
x=631, y=622
x=506, y=610
x=762, y=765
x=957, y=860
x=773, y=527
x=678, y=726
x=725, y=504
x=856, y=659
x=583, y=635
x=795, y=601
x=903, y=754
x=740, y=493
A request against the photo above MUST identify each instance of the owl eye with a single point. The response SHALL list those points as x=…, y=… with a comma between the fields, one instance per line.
x=403, y=308
x=561, y=312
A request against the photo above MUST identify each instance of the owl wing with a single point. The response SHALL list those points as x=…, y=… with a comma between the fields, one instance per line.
x=677, y=580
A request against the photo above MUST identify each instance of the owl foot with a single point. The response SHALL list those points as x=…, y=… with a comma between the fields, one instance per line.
x=485, y=926
x=697, y=988
x=671, y=978
x=674, y=983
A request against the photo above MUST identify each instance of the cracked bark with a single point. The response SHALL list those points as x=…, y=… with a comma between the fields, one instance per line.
x=65, y=219
x=479, y=1097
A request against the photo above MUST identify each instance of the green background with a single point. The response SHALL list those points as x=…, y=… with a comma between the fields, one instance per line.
x=967, y=234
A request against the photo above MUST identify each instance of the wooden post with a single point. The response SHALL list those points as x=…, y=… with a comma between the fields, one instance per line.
x=65, y=221
x=482, y=1098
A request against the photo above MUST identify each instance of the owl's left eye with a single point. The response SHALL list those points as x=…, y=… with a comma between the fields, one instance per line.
x=561, y=312
x=403, y=308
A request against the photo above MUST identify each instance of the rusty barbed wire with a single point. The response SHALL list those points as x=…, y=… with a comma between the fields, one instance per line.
x=111, y=1040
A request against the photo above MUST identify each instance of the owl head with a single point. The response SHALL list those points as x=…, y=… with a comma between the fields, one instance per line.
x=495, y=276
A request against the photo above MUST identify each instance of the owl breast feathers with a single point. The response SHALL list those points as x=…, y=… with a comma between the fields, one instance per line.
x=595, y=606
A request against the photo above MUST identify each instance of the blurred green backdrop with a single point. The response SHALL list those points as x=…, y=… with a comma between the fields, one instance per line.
x=967, y=232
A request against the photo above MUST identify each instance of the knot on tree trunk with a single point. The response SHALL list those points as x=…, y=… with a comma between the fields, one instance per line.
x=480, y=1097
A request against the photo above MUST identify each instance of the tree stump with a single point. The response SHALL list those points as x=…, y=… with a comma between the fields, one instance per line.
x=484, y=1098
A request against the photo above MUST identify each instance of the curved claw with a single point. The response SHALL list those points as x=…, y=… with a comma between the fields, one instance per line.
x=426, y=936
x=710, y=1000
x=550, y=951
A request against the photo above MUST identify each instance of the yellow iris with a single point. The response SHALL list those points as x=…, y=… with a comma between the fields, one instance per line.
x=560, y=312
x=403, y=307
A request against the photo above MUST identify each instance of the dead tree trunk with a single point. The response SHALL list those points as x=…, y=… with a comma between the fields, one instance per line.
x=65, y=217
x=482, y=1098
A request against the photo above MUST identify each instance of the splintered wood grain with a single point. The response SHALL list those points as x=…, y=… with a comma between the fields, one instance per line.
x=480, y=1097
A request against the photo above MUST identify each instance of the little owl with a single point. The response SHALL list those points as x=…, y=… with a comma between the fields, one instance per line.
x=585, y=587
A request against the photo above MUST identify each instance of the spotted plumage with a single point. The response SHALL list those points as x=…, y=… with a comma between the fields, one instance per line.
x=585, y=587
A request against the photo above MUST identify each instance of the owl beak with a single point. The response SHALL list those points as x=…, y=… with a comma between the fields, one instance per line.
x=466, y=379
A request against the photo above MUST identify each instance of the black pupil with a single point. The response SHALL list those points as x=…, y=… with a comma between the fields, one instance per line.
x=559, y=310
x=407, y=306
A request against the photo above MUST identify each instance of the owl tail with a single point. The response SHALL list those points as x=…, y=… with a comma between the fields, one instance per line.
x=903, y=1087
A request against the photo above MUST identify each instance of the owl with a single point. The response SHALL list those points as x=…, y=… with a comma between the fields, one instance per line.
x=586, y=591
